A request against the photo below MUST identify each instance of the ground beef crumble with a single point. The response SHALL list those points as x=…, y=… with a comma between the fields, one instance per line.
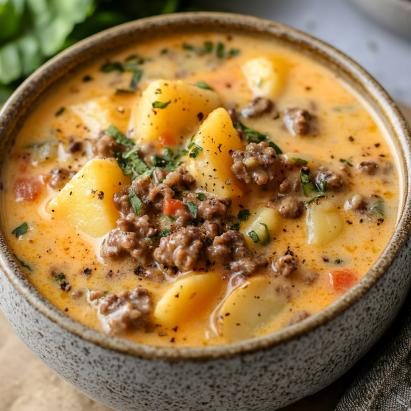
x=258, y=163
x=118, y=313
x=299, y=122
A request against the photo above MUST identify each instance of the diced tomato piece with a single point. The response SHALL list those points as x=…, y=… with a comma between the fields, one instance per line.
x=343, y=279
x=28, y=188
x=167, y=139
x=171, y=206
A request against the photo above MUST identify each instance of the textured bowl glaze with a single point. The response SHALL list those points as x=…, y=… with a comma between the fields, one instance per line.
x=260, y=374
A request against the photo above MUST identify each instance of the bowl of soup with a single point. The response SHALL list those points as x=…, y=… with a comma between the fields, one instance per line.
x=202, y=211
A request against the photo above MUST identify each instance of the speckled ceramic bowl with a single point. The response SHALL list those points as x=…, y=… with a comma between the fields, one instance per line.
x=260, y=374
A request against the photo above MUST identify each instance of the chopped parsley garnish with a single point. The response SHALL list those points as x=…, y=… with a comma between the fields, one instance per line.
x=254, y=236
x=119, y=137
x=24, y=264
x=203, y=85
x=315, y=191
x=135, y=79
x=234, y=226
x=376, y=207
x=111, y=66
x=61, y=280
x=267, y=236
x=132, y=165
x=168, y=160
x=243, y=214
x=21, y=230
x=299, y=161
x=160, y=104
x=346, y=162
x=194, y=150
x=136, y=203
x=253, y=136
x=60, y=111
x=208, y=47
x=192, y=208
x=201, y=196
x=164, y=233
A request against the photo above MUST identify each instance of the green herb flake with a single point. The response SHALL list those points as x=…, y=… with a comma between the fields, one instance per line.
x=136, y=203
x=135, y=79
x=267, y=235
x=195, y=150
x=164, y=233
x=192, y=208
x=234, y=226
x=132, y=165
x=160, y=104
x=315, y=191
x=346, y=162
x=112, y=66
x=299, y=161
x=21, y=230
x=220, y=50
x=201, y=196
x=24, y=264
x=60, y=111
x=119, y=137
x=203, y=85
x=254, y=236
x=243, y=215
x=377, y=207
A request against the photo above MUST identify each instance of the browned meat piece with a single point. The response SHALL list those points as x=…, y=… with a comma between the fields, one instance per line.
x=257, y=107
x=229, y=249
x=210, y=229
x=289, y=185
x=285, y=265
x=332, y=181
x=142, y=186
x=182, y=249
x=213, y=208
x=182, y=217
x=118, y=313
x=368, y=167
x=59, y=177
x=122, y=202
x=259, y=163
x=298, y=317
x=105, y=147
x=142, y=226
x=299, y=122
x=247, y=265
x=157, y=194
x=291, y=207
x=180, y=179
x=226, y=247
x=120, y=243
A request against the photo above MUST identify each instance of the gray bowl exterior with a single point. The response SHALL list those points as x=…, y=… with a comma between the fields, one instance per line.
x=261, y=374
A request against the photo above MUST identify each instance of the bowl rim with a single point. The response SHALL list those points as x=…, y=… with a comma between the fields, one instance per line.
x=215, y=22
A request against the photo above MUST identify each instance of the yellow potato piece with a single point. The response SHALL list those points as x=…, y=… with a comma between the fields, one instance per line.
x=324, y=223
x=86, y=201
x=211, y=168
x=265, y=77
x=183, y=107
x=249, y=308
x=265, y=223
x=187, y=298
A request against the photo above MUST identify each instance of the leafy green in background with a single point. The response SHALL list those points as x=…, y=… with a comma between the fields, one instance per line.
x=34, y=30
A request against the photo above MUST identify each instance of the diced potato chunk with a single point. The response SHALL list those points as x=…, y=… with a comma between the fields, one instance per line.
x=265, y=77
x=187, y=298
x=265, y=223
x=86, y=201
x=324, y=223
x=211, y=166
x=250, y=307
x=96, y=114
x=180, y=109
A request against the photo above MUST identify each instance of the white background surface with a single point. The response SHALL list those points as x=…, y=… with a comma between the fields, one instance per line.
x=385, y=55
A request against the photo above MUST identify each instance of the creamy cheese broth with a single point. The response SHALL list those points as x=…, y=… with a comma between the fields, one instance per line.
x=65, y=264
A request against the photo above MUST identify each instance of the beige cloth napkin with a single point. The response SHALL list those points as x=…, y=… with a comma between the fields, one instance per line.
x=26, y=384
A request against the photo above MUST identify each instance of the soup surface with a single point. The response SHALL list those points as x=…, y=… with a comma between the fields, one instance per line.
x=198, y=189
